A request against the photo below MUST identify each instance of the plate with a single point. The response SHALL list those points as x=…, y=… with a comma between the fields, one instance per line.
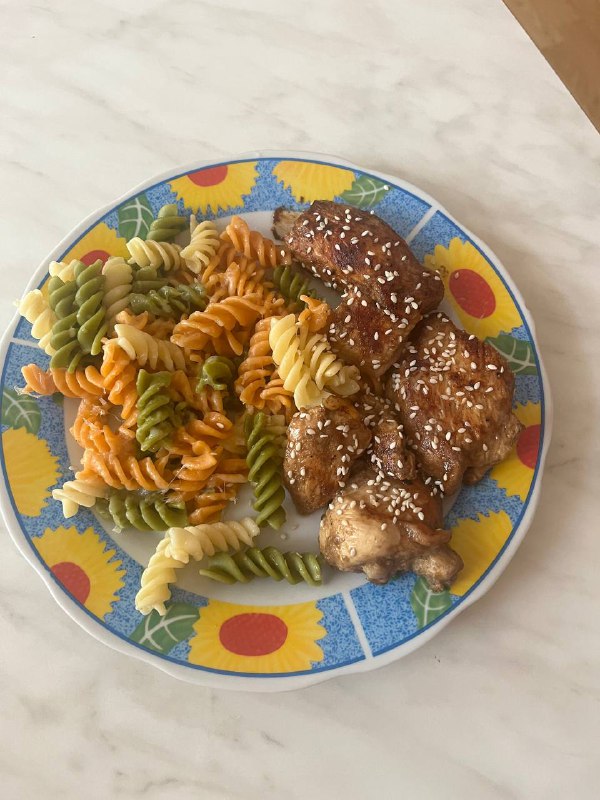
x=265, y=636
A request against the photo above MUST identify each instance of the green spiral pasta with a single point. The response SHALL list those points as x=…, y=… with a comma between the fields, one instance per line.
x=217, y=372
x=63, y=337
x=292, y=284
x=150, y=512
x=146, y=279
x=268, y=562
x=91, y=314
x=170, y=301
x=157, y=416
x=265, y=461
x=167, y=225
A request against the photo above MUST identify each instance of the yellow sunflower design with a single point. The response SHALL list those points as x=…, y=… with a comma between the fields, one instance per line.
x=475, y=291
x=308, y=182
x=84, y=566
x=32, y=470
x=99, y=243
x=515, y=473
x=220, y=187
x=257, y=638
x=478, y=542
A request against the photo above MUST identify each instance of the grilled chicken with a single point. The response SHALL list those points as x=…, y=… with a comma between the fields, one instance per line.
x=383, y=527
x=387, y=453
x=347, y=247
x=283, y=222
x=454, y=395
x=322, y=444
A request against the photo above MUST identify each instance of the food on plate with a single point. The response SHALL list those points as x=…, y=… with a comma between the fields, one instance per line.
x=209, y=360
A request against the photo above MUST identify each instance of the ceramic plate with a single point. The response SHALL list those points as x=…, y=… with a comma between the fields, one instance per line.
x=267, y=636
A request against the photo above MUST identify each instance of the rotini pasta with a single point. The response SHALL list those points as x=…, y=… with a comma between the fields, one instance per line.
x=198, y=541
x=265, y=459
x=74, y=494
x=208, y=505
x=266, y=563
x=118, y=277
x=159, y=255
x=146, y=349
x=150, y=512
x=292, y=285
x=36, y=310
x=167, y=225
x=254, y=245
x=67, y=351
x=157, y=417
x=286, y=344
x=91, y=313
x=83, y=383
x=170, y=301
x=119, y=377
x=157, y=576
x=146, y=279
x=91, y=431
x=218, y=372
x=220, y=321
x=124, y=472
x=203, y=245
x=66, y=272
x=257, y=367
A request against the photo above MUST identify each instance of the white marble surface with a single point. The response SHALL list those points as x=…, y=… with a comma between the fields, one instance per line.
x=504, y=703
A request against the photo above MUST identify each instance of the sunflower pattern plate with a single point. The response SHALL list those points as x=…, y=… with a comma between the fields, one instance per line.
x=274, y=637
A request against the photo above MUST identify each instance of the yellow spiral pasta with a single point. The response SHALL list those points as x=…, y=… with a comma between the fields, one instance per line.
x=286, y=344
x=198, y=541
x=154, y=254
x=34, y=307
x=66, y=272
x=224, y=321
x=83, y=383
x=254, y=245
x=146, y=349
x=118, y=277
x=160, y=572
x=74, y=494
x=203, y=245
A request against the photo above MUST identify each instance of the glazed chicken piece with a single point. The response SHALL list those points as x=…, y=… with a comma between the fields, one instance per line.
x=387, y=453
x=322, y=444
x=383, y=527
x=361, y=333
x=283, y=222
x=454, y=396
x=347, y=247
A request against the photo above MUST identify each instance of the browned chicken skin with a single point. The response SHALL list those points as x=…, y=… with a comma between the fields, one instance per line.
x=382, y=527
x=454, y=395
x=322, y=444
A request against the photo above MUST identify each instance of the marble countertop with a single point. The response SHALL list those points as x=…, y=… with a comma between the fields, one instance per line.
x=503, y=703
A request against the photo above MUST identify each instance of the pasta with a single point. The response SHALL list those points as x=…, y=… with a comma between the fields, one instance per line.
x=160, y=255
x=203, y=245
x=63, y=337
x=149, y=512
x=34, y=307
x=91, y=312
x=186, y=367
x=146, y=349
x=254, y=245
x=219, y=320
x=118, y=277
x=198, y=541
x=74, y=494
x=156, y=414
x=264, y=461
x=266, y=563
x=157, y=576
x=83, y=383
x=170, y=301
x=167, y=225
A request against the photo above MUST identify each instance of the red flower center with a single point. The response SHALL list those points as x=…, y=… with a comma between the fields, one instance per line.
x=94, y=255
x=528, y=445
x=74, y=579
x=472, y=293
x=209, y=177
x=253, y=634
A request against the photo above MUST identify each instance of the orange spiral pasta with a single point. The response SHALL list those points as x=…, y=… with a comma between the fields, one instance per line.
x=119, y=376
x=277, y=399
x=254, y=245
x=183, y=388
x=208, y=505
x=161, y=328
x=91, y=431
x=83, y=383
x=316, y=314
x=195, y=470
x=257, y=367
x=124, y=472
x=222, y=322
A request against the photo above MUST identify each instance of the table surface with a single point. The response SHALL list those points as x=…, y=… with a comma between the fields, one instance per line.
x=503, y=703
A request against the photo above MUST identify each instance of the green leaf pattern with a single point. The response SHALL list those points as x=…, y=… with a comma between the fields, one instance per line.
x=135, y=217
x=518, y=353
x=20, y=411
x=365, y=192
x=428, y=605
x=163, y=633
